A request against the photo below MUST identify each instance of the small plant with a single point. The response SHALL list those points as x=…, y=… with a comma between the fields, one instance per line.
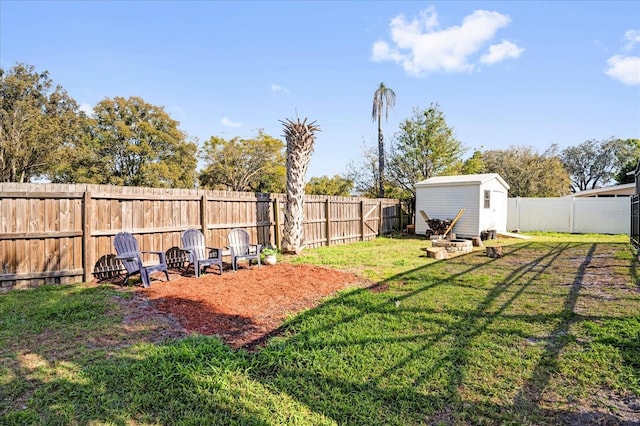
x=269, y=251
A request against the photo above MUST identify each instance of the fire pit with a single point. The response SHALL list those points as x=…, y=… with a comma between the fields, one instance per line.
x=454, y=246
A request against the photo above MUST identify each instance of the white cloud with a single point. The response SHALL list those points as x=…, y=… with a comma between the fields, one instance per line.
x=500, y=52
x=624, y=68
x=633, y=38
x=430, y=18
x=278, y=88
x=382, y=52
x=421, y=47
x=225, y=121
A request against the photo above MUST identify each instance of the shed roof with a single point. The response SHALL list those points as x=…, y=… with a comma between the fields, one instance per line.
x=478, y=179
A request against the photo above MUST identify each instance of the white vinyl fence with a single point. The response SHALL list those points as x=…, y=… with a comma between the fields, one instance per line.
x=601, y=215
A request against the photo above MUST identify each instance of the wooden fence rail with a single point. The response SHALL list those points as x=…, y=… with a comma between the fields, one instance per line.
x=55, y=233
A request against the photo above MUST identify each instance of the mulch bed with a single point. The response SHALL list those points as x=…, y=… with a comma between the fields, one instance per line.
x=243, y=308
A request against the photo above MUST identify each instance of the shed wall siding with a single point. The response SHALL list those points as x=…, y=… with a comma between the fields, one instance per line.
x=444, y=202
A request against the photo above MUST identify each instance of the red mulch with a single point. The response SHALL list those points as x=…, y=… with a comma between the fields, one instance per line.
x=247, y=307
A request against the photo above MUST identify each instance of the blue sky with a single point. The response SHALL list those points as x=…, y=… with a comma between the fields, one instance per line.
x=503, y=73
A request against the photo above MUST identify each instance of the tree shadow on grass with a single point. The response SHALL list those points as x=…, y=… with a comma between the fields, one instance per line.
x=410, y=405
x=56, y=378
x=197, y=380
x=454, y=343
x=311, y=371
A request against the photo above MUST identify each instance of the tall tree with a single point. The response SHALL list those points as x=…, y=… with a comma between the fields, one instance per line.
x=37, y=119
x=592, y=164
x=528, y=173
x=82, y=159
x=139, y=144
x=473, y=164
x=325, y=185
x=424, y=147
x=383, y=98
x=364, y=173
x=255, y=164
x=628, y=156
x=300, y=137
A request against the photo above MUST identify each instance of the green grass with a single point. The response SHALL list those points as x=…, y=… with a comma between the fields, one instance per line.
x=548, y=334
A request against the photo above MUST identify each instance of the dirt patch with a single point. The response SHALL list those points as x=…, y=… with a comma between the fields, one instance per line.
x=243, y=308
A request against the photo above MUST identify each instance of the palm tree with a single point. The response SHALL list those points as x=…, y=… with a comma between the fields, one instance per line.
x=383, y=97
x=300, y=138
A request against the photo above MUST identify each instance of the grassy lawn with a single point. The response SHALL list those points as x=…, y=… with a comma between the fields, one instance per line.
x=547, y=334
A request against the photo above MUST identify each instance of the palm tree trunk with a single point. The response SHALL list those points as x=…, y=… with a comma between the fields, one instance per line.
x=382, y=97
x=300, y=139
x=380, y=160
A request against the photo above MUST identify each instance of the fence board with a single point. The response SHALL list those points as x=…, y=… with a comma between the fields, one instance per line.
x=16, y=221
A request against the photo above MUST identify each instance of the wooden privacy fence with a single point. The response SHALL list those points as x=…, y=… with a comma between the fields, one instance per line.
x=55, y=233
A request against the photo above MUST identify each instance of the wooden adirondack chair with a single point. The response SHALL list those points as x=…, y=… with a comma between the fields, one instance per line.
x=130, y=255
x=198, y=254
x=241, y=248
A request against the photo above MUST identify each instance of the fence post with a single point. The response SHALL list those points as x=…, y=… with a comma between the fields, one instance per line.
x=276, y=223
x=380, y=220
x=327, y=214
x=86, y=237
x=571, y=213
x=361, y=220
x=400, y=228
x=203, y=214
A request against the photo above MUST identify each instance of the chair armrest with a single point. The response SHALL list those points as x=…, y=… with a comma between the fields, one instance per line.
x=257, y=248
x=127, y=256
x=187, y=253
x=161, y=255
x=218, y=252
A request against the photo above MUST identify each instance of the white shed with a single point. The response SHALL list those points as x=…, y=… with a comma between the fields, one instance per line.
x=482, y=196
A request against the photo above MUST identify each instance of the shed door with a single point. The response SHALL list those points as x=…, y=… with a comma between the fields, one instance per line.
x=499, y=208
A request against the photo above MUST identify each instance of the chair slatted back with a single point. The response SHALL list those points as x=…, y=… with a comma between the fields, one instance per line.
x=193, y=240
x=127, y=245
x=239, y=241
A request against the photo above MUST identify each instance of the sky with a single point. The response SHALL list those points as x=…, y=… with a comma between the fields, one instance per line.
x=505, y=73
